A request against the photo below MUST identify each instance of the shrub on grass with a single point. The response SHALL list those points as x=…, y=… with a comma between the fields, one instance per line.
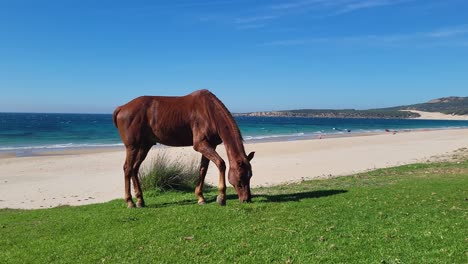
x=165, y=174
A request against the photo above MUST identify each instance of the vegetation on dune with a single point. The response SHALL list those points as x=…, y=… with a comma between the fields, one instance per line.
x=164, y=174
x=409, y=214
x=352, y=113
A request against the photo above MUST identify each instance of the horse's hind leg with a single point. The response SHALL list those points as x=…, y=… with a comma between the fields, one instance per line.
x=128, y=172
x=140, y=157
x=135, y=156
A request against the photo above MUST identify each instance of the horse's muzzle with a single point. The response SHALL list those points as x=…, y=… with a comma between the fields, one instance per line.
x=248, y=199
x=244, y=194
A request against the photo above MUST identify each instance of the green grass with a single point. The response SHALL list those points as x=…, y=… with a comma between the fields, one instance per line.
x=409, y=214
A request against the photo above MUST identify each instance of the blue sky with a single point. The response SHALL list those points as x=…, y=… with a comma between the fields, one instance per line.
x=91, y=55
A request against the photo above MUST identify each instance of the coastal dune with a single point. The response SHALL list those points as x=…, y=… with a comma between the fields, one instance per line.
x=438, y=116
x=84, y=177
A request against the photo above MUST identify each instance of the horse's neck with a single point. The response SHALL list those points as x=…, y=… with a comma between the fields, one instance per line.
x=228, y=131
x=232, y=141
x=233, y=152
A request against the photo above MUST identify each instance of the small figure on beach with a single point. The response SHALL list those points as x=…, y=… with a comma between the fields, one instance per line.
x=198, y=119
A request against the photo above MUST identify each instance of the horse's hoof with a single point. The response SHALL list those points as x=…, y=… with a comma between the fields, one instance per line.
x=220, y=201
x=141, y=205
x=130, y=205
x=201, y=202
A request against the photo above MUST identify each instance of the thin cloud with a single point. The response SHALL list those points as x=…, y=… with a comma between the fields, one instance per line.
x=253, y=26
x=450, y=32
x=354, y=6
x=296, y=42
x=334, y=7
x=262, y=15
x=300, y=4
x=451, y=36
x=319, y=8
x=247, y=20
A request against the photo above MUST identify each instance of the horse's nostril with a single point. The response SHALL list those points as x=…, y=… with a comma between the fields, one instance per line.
x=247, y=200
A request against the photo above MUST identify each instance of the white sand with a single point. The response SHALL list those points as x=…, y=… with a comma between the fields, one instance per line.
x=83, y=178
x=438, y=116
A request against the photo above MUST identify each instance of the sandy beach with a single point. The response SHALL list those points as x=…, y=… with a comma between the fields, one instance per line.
x=438, y=116
x=84, y=177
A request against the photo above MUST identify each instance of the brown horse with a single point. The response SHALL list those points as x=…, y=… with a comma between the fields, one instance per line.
x=200, y=120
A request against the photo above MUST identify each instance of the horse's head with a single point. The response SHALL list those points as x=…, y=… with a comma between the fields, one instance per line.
x=239, y=176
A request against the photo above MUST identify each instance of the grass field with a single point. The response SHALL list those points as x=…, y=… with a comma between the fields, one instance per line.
x=410, y=214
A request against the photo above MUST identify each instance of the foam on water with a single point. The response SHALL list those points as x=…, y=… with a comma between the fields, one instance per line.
x=61, y=146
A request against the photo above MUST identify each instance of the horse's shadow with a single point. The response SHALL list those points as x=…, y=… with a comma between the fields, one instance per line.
x=296, y=197
x=261, y=198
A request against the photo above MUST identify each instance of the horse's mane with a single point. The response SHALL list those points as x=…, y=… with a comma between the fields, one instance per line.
x=224, y=114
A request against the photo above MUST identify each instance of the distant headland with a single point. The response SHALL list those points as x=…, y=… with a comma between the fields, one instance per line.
x=453, y=106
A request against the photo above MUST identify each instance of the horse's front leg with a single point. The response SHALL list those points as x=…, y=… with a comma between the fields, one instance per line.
x=209, y=152
x=201, y=180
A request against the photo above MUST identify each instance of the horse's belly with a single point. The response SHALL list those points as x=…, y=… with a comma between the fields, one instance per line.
x=174, y=137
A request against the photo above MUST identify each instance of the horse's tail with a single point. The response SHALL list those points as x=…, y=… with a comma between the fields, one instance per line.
x=114, y=116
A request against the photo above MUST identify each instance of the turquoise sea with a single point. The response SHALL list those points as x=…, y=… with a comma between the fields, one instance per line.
x=28, y=133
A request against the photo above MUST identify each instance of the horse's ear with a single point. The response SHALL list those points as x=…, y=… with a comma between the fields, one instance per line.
x=251, y=155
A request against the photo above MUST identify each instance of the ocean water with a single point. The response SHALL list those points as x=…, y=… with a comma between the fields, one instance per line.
x=27, y=133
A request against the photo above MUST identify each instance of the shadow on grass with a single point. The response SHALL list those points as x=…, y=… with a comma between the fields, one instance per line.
x=178, y=203
x=260, y=198
x=188, y=189
x=295, y=197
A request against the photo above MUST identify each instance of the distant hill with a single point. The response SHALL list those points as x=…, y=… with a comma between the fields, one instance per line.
x=448, y=105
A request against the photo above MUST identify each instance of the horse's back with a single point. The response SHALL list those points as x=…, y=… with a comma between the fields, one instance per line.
x=168, y=120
